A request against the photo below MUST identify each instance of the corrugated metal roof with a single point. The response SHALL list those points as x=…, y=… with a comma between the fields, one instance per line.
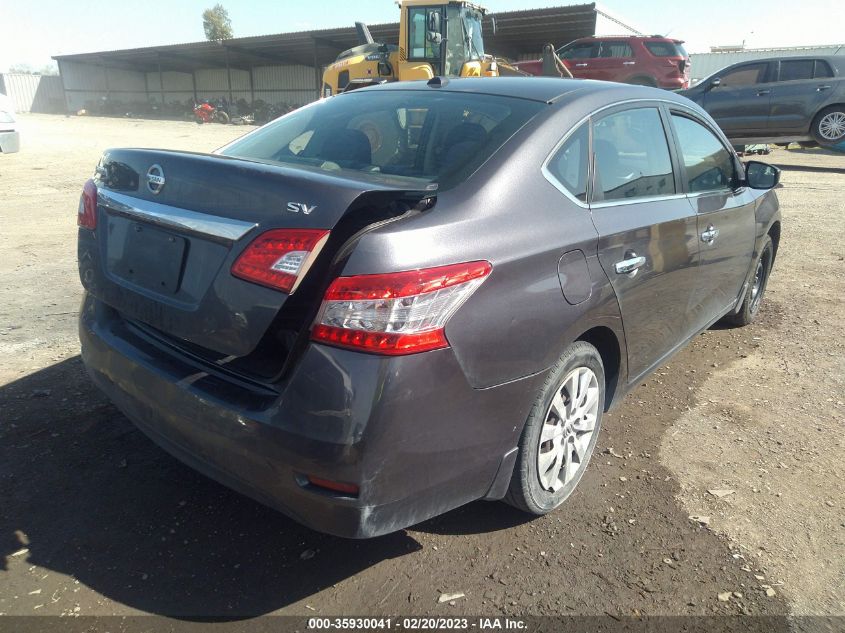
x=517, y=32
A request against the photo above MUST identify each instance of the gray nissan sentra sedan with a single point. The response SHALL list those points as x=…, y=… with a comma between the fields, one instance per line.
x=405, y=298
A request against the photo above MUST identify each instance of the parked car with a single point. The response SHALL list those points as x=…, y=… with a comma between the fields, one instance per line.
x=10, y=139
x=647, y=61
x=402, y=299
x=777, y=100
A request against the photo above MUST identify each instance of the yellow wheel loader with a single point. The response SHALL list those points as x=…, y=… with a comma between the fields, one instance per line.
x=442, y=39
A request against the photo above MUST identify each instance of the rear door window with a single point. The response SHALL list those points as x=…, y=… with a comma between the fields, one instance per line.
x=708, y=164
x=792, y=70
x=746, y=75
x=632, y=157
x=615, y=49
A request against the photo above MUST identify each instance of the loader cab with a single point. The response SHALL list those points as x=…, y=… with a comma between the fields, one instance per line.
x=447, y=37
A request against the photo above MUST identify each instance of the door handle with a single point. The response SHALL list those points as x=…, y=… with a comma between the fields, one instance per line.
x=710, y=235
x=761, y=93
x=628, y=63
x=580, y=65
x=630, y=265
x=821, y=88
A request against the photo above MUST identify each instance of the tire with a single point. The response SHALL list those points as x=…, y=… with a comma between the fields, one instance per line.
x=539, y=484
x=199, y=120
x=829, y=125
x=221, y=116
x=757, y=289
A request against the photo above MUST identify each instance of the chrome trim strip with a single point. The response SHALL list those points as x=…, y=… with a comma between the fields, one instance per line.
x=164, y=215
x=620, y=201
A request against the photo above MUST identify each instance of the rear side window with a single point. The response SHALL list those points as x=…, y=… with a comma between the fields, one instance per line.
x=615, y=49
x=570, y=164
x=665, y=49
x=823, y=69
x=792, y=70
x=632, y=156
x=436, y=137
x=747, y=75
x=709, y=166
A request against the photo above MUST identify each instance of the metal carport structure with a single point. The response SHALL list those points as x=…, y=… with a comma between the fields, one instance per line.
x=285, y=66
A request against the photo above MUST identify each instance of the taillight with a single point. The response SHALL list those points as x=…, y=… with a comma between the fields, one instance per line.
x=334, y=486
x=396, y=313
x=280, y=258
x=87, y=214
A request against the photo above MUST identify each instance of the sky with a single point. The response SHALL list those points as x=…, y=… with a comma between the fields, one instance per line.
x=34, y=31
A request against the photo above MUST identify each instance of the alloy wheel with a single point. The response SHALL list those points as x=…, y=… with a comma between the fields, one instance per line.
x=832, y=126
x=566, y=438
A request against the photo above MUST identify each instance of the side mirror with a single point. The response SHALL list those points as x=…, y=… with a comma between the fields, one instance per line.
x=715, y=83
x=434, y=37
x=761, y=175
x=434, y=21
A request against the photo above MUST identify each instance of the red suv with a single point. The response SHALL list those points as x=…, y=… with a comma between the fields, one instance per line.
x=647, y=61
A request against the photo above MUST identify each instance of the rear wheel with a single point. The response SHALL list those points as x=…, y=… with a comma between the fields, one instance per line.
x=221, y=116
x=754, y=295
x=560, y=433
x=829, y=125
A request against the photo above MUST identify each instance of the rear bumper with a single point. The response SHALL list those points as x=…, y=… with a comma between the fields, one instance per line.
x=10, y=142
x=410, y=431
x=674, y=83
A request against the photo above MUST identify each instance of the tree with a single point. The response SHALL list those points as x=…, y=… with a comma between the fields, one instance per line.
x=26, y=69
x=216, y=23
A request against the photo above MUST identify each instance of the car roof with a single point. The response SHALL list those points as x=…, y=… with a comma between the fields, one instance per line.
x=662, y=38
x=543, y=89
x=836, y=61
x=833, y=59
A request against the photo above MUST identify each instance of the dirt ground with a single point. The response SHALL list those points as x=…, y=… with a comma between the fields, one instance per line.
x=95, y=519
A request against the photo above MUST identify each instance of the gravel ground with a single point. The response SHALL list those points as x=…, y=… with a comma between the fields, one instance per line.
x=97, y=520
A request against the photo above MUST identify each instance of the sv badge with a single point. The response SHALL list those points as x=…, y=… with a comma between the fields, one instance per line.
x=301, y=207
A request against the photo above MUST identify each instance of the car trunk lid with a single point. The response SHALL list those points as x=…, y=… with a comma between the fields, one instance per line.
x=171, y=224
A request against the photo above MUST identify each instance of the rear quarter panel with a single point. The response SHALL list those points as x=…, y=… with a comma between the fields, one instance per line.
x=518, y=322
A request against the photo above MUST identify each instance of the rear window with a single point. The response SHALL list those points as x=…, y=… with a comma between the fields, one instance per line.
x=666, y=49
x=438, y=137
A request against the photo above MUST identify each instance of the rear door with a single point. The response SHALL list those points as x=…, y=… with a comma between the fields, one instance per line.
x=648, y=240
x=615, y=61
x=740, y=103
x=801, y=89
x=724, y=212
